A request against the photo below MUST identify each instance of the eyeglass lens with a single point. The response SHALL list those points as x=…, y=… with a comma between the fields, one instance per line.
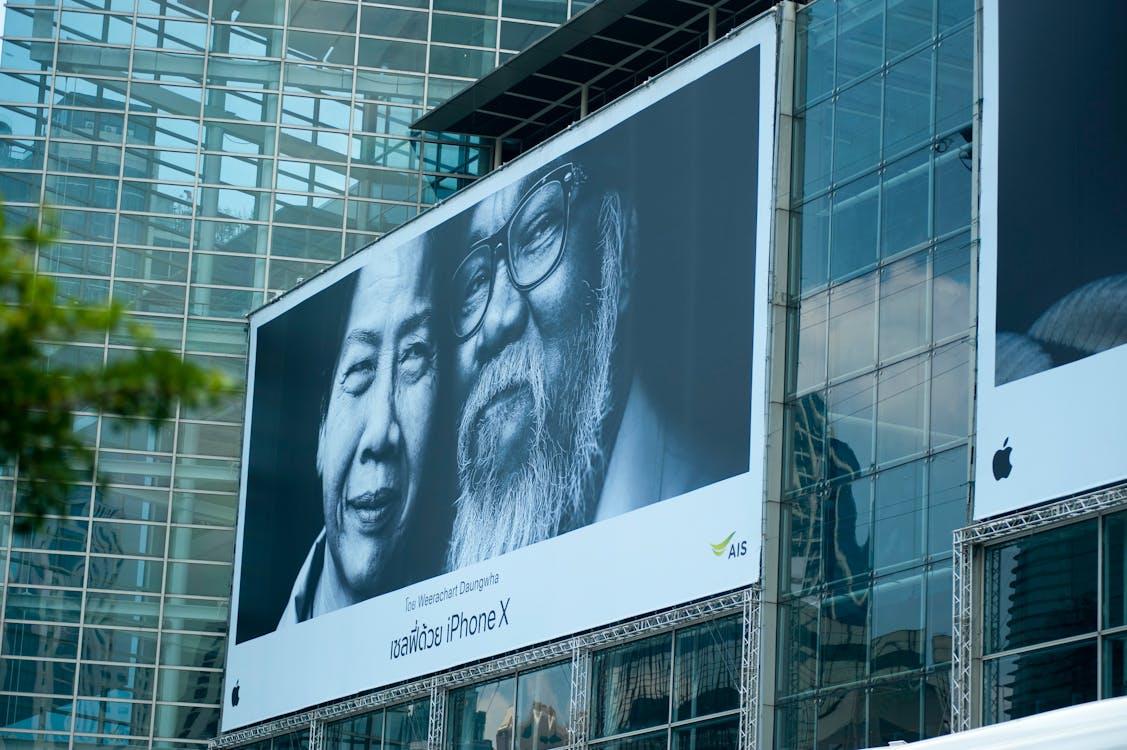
x=534, y=242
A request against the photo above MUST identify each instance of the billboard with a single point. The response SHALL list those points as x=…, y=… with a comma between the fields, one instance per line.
x=536, y=409
x=1053, y=268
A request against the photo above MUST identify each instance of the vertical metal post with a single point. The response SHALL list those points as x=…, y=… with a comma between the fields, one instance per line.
x=584, y=101
x=749, y=671
x=580, y=679
x=437, y=716
x=712, y=24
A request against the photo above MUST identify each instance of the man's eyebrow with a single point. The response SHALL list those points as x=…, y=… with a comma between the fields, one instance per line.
x=417, y=320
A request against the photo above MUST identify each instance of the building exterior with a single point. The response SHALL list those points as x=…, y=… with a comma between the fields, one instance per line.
x=187, y=144
x=179, y=143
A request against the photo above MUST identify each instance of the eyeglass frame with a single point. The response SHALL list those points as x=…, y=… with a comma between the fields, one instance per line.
x=500, y=239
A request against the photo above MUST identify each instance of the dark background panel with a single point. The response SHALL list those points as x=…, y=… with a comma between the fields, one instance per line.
x=293, y=369
x=1062, y=160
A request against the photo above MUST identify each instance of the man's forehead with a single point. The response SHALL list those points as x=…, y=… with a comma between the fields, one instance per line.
x=491, y=214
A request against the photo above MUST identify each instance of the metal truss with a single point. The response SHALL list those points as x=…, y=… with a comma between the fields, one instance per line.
x=437, y=725
x=749, y=670
x=576, y=648
x=580, y=669
x=969, y=542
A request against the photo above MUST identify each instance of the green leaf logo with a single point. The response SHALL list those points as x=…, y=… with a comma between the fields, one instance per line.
x=718, y=549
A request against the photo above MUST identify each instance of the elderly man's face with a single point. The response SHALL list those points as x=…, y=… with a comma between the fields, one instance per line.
x=378, y=422
x=545, y=320
x=533, y=377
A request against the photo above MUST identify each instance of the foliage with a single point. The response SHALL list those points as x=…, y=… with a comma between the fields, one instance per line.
x=38, y=397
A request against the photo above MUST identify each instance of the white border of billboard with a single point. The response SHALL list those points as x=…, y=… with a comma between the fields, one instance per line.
x=648, y=559
x=1064, y=426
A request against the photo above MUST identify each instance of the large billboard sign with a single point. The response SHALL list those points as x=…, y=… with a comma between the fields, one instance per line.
x=536, y=409
x=1052, y=375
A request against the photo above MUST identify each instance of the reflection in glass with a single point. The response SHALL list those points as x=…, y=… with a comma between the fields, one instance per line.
x=718, y=734
x=897, y=630
x=1035, y=593
x=894, y=712
x=543, y=708
x=899, y=521
x=481, y=716
x=903, y=307
x=853, y=326
x=854, y=231
x=841, y=719
x=1036, y=681
x=1115, y=570
x=706, y=677
x=630, y=687
x=902, y=409
x=857, y=125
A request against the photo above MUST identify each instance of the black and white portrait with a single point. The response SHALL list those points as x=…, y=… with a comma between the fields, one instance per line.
x=573, y=346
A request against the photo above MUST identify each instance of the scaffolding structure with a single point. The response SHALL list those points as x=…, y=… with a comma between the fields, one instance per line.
x=576, y=648
x=970, y=542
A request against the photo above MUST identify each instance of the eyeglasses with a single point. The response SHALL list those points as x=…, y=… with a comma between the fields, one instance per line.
x=532, y=241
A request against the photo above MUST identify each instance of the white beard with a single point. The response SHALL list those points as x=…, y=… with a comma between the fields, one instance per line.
x=555, y=489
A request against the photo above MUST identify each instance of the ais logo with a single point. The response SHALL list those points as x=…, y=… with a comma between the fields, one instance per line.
x=728, y=548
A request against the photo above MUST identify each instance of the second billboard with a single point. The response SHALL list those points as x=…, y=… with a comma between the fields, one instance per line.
x=535, y=410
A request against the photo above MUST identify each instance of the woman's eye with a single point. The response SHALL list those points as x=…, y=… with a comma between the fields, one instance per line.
x=357, y=377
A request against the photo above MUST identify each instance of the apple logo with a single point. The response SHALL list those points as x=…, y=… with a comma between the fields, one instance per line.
x=1002, y=465
x=235, y=694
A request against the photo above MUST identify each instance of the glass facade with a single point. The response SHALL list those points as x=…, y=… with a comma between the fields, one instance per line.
x=1055, y=630
x=881, y=369
x=202, y=157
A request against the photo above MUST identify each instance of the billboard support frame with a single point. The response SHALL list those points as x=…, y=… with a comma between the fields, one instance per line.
x=969, y=542
x=578, y=648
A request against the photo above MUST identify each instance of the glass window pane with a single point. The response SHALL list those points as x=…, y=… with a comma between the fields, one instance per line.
x=897, y=632
x=816, y=27
x=954, y=81
x=392, y=55
x=908, y=25
x=815, y=139
x=950, y=297
x=841, y=719
x=854, y=230
x=952, y=187
x=630, y=687
x=947, y=499
x=1115, y=666
x=129, y=646
x=849, y=416
x=847, y=514
x=402, y=24
x=543, y=707
x=857, y=127
x=852, y=326
x=898, y=535
x=812, y=240
x=812, y=327
x=951, y=375
x=894, y=712
x=207, y=615
x=124, y=610
x=860, y=43
x=407, y=725
x=903, y=307
x=1115, y=570
x=799, y=646
x=51, y=605
x=1037, y=681
x=905, y=203
x=902, y=410
x=706, y=675
x=844, y=636
x=1037, y=594
x=364, y=732
x=718, y=734
x=40, y=641
x=142, y=539
x=186, y=722
x=183, y=686
x=939, y=593
x=907, y=103
x=654, y=741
